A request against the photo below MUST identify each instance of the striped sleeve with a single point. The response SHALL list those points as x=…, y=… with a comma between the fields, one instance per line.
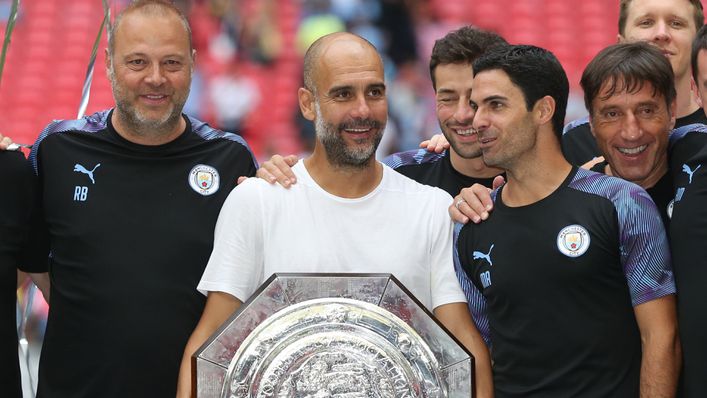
x=475, y=300
x=91, y=123
x=644, y=248
x=643, y=244
x=680, y=132
x=417, y=156
x=574, y=124
x=207, y=132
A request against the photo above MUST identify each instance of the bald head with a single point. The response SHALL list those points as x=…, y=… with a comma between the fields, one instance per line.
x=333, y=45
x=150, y=8
x=344, y=95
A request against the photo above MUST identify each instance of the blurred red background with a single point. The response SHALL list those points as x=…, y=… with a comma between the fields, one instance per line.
x=248, y=62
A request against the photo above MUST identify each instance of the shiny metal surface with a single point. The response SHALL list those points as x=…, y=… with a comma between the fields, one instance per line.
x=334, y=347
x=332, y=335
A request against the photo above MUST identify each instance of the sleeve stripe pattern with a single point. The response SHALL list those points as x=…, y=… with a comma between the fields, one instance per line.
x=677, y=134
x=574, y=124
x=475, y=300
x=645, y=256
x=418, y=156
x=90, y=124
x=207, y=132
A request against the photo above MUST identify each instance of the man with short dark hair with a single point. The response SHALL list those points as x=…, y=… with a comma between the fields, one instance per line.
x=573, y=266
x=631, y=99
x=672, y=171
x=670, y=25
x=451, y=73
x=131, y=196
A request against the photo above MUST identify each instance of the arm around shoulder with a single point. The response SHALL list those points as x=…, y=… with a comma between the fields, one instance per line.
x=279, y=169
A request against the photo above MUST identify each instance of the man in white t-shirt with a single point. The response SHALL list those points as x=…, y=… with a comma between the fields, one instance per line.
x=348, y=213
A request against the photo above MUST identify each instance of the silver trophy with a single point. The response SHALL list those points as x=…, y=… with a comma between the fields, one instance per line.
x=332, y=335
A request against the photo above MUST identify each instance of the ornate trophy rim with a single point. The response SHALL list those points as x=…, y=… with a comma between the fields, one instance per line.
x=440, y=365
x=410, y=337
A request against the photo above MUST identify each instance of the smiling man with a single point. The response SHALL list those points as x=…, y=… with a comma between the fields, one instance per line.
x=347, y=212
x=450, y=70
x=632, y=106
x=571, y=272
x=131, y=196
x=149, y=100
x=671, y=26
x=460, y=165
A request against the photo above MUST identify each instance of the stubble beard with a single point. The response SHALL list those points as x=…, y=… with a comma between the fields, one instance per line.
x=338, y=153
x=508, y=156
x=470, y=151
x=138, y=123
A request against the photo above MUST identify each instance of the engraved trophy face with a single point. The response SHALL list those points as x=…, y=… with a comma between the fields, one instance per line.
x=332, y=335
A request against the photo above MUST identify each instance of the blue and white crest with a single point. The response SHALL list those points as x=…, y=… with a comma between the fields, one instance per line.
x=204, y=179
x=573, y=240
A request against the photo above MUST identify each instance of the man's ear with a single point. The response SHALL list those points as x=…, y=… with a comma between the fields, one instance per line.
x=108, y=62
x=673, y=109
x=693, y=87
x=591, y=124
x=544, y=110
x=306, y=103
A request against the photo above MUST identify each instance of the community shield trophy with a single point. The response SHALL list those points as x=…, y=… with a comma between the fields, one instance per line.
x=332, y=335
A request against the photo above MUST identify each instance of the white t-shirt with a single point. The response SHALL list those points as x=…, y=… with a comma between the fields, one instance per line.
x=401, y=228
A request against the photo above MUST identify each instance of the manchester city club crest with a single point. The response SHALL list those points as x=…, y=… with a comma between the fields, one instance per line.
x=204, y=179
x=573, y=240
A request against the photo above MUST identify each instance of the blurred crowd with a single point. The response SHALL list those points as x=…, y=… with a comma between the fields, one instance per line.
x=240, y=43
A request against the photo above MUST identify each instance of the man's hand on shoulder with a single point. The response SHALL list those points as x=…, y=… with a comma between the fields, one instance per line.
x=593, y=162
x=5, y=143
x=278, y=169
x=474, y=203
x=437, y=144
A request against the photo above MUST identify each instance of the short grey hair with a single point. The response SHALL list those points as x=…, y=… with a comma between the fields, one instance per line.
x=148, y=7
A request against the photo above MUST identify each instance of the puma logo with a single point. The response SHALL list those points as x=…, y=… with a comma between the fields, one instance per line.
x=485, y=256
x=689, y=171
x=80, y=169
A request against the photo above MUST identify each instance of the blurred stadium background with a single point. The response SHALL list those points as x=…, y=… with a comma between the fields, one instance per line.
x=249, y=58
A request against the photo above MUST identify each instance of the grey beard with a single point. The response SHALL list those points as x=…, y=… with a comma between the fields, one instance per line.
x=338, y=153
x=147, y=127
x=137, y=123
